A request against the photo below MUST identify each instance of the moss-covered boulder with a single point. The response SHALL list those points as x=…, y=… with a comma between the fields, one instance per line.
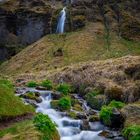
x=32, y=96
x=111, y=115
x=95, y=100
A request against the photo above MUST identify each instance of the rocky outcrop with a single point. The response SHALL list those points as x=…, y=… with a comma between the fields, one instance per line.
x=22, y=23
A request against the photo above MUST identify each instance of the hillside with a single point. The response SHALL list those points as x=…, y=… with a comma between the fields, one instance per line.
x=55, y=51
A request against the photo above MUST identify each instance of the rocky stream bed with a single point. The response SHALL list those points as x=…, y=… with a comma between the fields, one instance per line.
x=80, y=128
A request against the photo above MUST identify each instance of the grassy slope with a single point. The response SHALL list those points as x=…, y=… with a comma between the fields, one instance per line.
x=20, y=131
x=86, y=44
x=10, y=105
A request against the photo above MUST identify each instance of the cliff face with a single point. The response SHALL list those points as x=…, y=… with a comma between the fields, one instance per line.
x=22, y=22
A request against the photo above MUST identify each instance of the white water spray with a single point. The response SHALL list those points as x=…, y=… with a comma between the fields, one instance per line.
x=61, y=21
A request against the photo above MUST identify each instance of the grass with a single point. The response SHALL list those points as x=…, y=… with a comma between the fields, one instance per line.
x=11, y=105
x=24, y=130
x=64, y=88
x=132, y=132
x=79, y=46
x=31, y=84
x=47, y=83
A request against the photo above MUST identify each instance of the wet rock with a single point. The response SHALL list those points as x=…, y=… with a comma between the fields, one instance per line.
x=41, y=88
x=111, y=134
x=117, y=119
x=85, y=125
x=96, y=126
x=94, y=118
x=31, y=102
x=56, y=95
x=81, y=116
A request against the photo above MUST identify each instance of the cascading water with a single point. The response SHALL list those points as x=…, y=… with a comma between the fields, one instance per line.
x=68, y=128
x=61, y=21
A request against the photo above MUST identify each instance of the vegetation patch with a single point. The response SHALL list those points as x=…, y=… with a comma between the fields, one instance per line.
x=95, y=99
x=64, y=88
x=132, y=132
x=32, y=84
x=47, y=83
x=11, y=105
x=106, y=112
x=46, y=127
x=21, y=131
x=65, y=103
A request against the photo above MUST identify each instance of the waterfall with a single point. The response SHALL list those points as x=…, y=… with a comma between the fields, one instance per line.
x=61, y=21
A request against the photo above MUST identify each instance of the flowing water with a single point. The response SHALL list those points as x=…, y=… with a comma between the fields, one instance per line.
x=68, y=128
x=61, y=21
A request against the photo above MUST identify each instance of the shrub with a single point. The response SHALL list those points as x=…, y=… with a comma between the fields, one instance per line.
x=64, y=88
x=116, y=104
x=64, y=103
x=132, y=132
x=105, y=114
x=46, y=126
x=31, y=84
x=47, y=83
x=106, y=111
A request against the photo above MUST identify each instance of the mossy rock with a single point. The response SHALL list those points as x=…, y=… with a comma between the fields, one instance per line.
x=111, y=114
x=78, y=107
x=78, y=21
x=54, y=104
x=96, y=101
x=72, y=115
x=94, y=118
x=32, y=96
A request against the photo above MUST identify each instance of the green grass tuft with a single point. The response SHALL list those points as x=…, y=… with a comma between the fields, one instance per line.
x=132, y=132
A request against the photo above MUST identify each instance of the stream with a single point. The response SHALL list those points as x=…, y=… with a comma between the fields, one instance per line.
x=68, y=128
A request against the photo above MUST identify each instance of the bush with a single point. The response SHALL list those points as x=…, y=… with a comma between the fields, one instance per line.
x=46, y=126
x=31, y=84
x=48, y=84
x=64, y=103
x=105, y=114
x=64, y=88
x=117, y=104
x=132, y=132
x=107, y=111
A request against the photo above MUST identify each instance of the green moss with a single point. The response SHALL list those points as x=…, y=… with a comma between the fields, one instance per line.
x=132, y=132
x=77, y=107
x=32, y=84
x=95, y=100
x=46, y=127
x=117, y=104
x=72, y=115
x=64, y=88
x=65, y=103
x=106, y=111
x=47, y=83
x=11, y=105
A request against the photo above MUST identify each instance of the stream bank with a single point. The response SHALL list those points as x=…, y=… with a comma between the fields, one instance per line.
x=70, y=128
